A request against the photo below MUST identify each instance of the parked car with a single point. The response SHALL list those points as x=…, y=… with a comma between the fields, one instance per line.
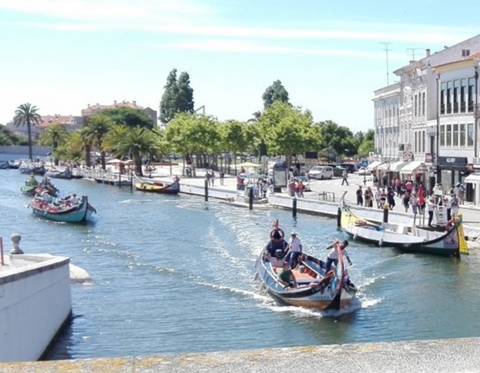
x=363, y=171
x=320, y=172
x=305, y=182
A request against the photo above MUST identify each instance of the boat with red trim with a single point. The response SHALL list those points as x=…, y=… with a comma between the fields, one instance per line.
x=313, y=288
x=64, y=210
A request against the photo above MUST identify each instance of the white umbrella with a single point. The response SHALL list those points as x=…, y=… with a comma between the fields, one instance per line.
x=115, y=161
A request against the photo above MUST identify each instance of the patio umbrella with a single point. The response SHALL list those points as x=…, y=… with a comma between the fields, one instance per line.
x=129, y=162
x=115, y=161
x=249, y=164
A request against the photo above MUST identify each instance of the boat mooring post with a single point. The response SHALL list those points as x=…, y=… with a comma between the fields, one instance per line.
x=250, y=198
x=206, y=190
x=385, y=212
x=119, y=178
x=294, y=207
x=339, y=217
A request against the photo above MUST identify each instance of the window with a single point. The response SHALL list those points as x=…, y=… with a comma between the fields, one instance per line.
x=423, y=103
x=465, y=52
x=442, y=98
x=471, y=93
x=448, y=135
x=442, y=135
x=416, y=142
x=463, y=95
x=415, y=105
x=456, y=85
x=470, y=134
x=462, y=134
x=449, y=97
x=455, y=135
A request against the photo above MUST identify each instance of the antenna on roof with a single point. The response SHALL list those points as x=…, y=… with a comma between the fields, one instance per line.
x=386, y=52
x=412, y=51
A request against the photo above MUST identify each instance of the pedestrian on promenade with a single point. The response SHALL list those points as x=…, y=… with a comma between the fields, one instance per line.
x=448, y=206
x=222, y=177
x=430, y=209
x=344, y=177
x=378, y=198
x=368, y=197
x=406, y=200
x=391, y=198
x=359, y=196
x=455, y=202
x=212, y=178
x=461, y=194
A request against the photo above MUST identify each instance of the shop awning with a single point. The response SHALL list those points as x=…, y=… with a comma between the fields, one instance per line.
x=412, y=167
x=472, y=178
x=397, y=166
x=373, y=166
x=383, y=167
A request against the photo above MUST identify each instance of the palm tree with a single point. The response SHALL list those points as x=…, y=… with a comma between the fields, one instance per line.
x=135, y=142
x=27, y=114
x=54, y=136
x=95, y=131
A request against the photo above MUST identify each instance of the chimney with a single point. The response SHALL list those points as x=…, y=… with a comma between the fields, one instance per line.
x=427, y=51
x=88, y=105
x=134, y=103
x=115, y=102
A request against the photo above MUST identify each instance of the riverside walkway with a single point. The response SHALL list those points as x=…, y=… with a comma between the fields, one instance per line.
x=434, y=356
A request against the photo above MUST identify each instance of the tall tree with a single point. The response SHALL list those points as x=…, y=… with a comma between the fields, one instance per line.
x=54, y=136
x=27, y=114
x=95, y=132
x=168, y=103
x=185, y=94
x=276, y=92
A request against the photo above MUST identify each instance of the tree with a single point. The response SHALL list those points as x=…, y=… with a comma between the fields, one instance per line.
x=337, y=139
x=130, y=117
x=95, y=131
x=185, y=94
x=54, y=136
x=27, y=114
x=276, y=92
x=168, y=103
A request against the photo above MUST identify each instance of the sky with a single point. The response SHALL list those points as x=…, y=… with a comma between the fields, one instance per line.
x=61, y=55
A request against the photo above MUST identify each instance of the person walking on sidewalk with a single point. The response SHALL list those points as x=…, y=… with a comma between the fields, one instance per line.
x=222, y=177
x=344, y=177
x=359, y=193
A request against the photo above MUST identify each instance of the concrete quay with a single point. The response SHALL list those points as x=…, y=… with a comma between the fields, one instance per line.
x=436, y=356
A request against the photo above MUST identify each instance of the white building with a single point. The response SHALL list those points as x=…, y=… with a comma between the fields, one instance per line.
x=435, y=95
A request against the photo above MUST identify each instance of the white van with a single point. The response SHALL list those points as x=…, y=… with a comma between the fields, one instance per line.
x=320, y=172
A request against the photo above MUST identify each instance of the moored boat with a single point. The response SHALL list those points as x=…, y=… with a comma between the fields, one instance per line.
x=448, y=241
x=63, y=211
x=313, y=288
x=59, y=174
x=156, y=186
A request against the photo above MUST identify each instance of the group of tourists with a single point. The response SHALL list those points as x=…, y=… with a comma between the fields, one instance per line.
x=296, y=188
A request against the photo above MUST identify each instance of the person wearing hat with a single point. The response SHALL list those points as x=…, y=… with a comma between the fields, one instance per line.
x=332, y=256
x=294, y=249
x=286, y=276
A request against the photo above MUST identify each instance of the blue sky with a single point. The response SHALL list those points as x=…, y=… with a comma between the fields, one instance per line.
x=61, y=55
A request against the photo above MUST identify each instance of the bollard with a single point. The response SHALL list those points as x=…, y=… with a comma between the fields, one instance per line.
x=131, y=180
x=294, y=208
x=385, y=213
x=339, y=217
x=206, y=190
x=119, y=179
x=250, y=199
x=16, y=244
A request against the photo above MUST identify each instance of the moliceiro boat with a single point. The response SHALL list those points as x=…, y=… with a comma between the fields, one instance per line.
x=313, y=288
x=64, y=210
x=448, y=241
x=155, y=185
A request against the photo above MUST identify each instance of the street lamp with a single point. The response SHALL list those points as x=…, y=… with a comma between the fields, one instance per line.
x=170, y=156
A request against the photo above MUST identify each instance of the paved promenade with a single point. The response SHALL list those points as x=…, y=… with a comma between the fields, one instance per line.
x=435, y=356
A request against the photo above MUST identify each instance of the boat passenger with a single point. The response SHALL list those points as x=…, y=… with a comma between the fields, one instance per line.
x=32, y=181
x=277, y=243
x=332, y=256
x=73, y=200
x=294, y=249
x=286, y=276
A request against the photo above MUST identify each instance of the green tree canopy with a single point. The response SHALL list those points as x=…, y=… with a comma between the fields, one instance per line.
x=95, y=132
x=275, y=92
x=337, y=139
x=177, y=96
x=27, y=114
x=130, y=117
x=54, y=136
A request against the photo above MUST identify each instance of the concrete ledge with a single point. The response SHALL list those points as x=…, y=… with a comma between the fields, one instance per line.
x=440, y=356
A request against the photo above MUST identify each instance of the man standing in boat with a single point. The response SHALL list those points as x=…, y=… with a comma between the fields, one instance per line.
x=332, y=256
x=294, y=249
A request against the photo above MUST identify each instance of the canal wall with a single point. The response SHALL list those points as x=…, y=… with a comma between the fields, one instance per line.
x=35, y=301
x=15, y=150
x=435, y=356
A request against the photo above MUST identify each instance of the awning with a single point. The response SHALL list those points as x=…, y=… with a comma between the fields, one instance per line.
x=372, y=166
x=397, y=166
x=411, y=167
x=472, y=178
x=383, y=167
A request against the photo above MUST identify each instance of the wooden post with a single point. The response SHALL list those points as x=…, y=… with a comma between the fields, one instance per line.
x=250, y=198
x=206, y=190
x=131, y=180
x=119, y=178
x=294, y=208
x=339, y=217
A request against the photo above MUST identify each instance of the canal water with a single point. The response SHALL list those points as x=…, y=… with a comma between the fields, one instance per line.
x=173, y=274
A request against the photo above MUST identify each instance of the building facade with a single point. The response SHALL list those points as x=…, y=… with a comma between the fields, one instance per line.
x=429, y=117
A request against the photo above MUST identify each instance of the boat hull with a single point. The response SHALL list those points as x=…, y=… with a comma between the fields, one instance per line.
x=156, y=186
x=80, y=214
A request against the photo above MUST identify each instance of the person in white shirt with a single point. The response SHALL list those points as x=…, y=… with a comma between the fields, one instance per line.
x=73, y=200
x=448, y=206
x=430, y=209
x=378, y=198
x=332, y=256
x=294, y=249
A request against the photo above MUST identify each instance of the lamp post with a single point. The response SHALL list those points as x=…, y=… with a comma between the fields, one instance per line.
x=170, y=156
